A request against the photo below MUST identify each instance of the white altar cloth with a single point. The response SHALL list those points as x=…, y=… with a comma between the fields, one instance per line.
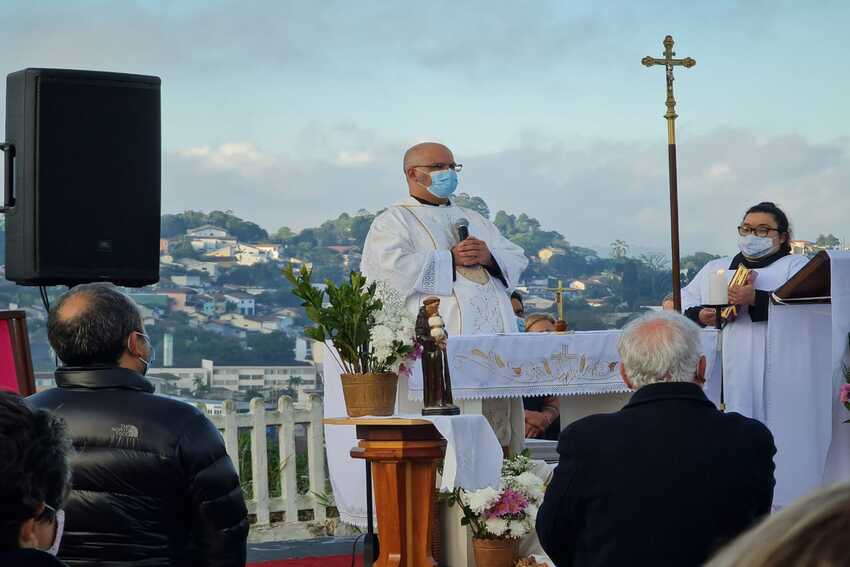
x=473, y=455
x=806, y=347
x=512, y=365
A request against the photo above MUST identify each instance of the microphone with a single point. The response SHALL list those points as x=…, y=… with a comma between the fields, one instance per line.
x=462, y=229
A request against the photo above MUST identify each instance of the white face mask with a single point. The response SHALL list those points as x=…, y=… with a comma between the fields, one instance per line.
x=753, y=246
x=60, y=527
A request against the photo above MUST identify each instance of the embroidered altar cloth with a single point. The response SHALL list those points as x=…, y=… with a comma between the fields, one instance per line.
x=526, y=364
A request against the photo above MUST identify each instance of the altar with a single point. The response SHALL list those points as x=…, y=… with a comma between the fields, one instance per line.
x=581, y=368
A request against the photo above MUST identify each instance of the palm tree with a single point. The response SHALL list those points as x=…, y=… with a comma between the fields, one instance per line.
x=619, y=249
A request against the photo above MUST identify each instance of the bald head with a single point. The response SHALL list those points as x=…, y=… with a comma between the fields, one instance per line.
x=91, y=323
x=427, y=153
x=660, y=347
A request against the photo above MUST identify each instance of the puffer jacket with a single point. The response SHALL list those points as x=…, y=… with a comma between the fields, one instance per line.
x=152, y=483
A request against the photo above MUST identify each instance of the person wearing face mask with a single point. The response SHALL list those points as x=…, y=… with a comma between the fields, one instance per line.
x=764, y=241
x=35, y=475
x=153, y=483
x=417, y=247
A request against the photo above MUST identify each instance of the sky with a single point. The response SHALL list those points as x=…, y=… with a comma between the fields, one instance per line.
x=289, y=113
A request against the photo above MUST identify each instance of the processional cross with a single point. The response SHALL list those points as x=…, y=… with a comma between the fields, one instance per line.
x=669, y=62
x=559, y=298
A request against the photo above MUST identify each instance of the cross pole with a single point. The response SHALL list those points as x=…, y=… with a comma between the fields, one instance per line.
x=669, y=62
x=559, y=298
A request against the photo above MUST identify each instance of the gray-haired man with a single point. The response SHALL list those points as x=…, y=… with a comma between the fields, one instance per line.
x=667, y=479
x=152, y=483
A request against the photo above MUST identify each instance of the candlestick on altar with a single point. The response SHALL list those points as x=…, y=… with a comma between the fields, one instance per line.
x=671, y=115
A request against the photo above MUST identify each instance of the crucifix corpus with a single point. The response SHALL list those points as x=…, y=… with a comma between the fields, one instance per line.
x=669, y=62
x=560, y=324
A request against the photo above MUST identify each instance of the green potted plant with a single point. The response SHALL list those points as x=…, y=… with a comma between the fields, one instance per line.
x=371, y=331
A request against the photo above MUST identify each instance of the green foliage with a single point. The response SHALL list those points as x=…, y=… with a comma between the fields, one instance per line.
x=246, y=476
x=244, y=231
x=827, y=241
x=182, y=248
x=525, y=231
x=691, y=265
x=477, y=204
x=347, y=318
x=191, y=345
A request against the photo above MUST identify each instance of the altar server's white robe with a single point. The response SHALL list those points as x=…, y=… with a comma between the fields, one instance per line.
x=409, y=248
x=744, y=341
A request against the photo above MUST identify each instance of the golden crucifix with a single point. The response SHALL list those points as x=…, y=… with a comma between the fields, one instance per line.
x=669, y=62
x=559, y=298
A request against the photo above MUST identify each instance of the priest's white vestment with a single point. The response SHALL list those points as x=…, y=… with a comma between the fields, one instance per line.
x=409, y=247
x=744, y=341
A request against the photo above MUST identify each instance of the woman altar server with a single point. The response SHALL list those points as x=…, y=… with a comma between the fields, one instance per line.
x=765, y=248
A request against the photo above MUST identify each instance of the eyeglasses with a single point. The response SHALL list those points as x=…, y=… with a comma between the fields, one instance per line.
x=746, y=230
x=456, y=167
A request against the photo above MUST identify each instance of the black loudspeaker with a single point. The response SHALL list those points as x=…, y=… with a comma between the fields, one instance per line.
x=82, y=183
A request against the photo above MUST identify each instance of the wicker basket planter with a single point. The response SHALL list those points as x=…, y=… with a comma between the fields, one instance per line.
x=369, y=394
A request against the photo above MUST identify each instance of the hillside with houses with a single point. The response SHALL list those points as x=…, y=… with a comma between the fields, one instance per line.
x=226, y=326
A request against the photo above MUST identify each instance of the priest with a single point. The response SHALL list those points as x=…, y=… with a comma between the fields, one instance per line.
x=424, y=245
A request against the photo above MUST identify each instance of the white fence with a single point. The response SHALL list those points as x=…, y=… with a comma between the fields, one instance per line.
x=284, y=419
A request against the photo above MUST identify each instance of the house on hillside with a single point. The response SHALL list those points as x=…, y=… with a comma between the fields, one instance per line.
x=209, y=237
x=186, y=280
x=803, y=247
x=209, y=267
x=271, y=250
x=546, y=254
x=244, y=302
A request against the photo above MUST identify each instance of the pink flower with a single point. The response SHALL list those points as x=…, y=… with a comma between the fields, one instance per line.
x=511, y=502
x=844, y=393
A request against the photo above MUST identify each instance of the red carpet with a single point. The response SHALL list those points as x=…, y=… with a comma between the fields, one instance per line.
x=332, y=561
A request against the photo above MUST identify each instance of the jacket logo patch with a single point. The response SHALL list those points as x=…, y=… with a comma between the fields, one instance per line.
x=125, y=431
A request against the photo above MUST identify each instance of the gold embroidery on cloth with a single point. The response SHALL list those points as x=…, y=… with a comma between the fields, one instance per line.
x=475, y=274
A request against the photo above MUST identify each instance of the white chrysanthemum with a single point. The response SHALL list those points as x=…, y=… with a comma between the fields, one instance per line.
x=480, y=500
x=382, y=335
x=531, y=485
x=496, y=526
x=519, y=528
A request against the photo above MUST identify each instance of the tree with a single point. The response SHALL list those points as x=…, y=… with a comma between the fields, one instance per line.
x=283, y=234
x=182, y=248
x=619, y=249
x=477, y=204
x=274, y=347
x=827, y=241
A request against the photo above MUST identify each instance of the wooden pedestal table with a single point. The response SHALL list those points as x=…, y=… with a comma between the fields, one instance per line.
x=404, y=454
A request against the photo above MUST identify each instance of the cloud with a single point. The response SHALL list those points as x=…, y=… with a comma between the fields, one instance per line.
x=592, y=195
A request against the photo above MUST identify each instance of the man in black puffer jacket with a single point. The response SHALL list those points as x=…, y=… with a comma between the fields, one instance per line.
x=152, y=483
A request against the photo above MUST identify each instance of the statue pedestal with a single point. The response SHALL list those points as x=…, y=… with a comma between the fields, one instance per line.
x=404, y=454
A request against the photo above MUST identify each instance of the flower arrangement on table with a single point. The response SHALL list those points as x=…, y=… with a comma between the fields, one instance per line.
x=508, y=512
x=372, y=332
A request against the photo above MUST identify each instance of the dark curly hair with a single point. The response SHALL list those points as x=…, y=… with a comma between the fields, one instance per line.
x=35, y=468
x=779, y=216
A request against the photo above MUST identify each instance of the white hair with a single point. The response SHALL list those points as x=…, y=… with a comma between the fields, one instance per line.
x=661, y=346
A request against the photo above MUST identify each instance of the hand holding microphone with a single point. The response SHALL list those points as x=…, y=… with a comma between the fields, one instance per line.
x=470, y=251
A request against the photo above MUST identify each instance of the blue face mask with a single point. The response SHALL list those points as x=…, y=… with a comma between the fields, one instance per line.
x=520, y=323
x=443, y=183
x=753, y=246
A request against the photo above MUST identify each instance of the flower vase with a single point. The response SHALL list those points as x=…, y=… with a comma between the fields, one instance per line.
x=500, y=552
x=370, y=393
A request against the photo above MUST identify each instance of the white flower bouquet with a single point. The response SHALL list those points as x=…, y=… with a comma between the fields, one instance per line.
x=508, y=512
x=367, y=322
x=393, y=334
